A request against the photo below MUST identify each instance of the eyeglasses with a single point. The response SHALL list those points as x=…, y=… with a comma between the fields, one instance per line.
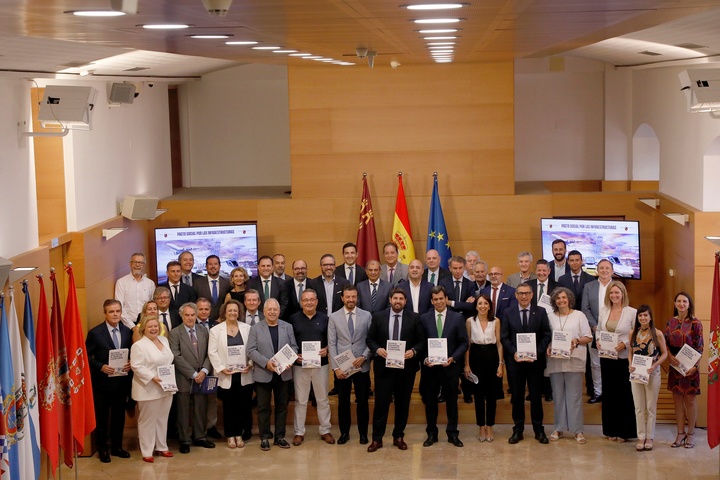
x=494, y=274
x=523, y=293
x=164, y=297
x=327, y=265
x=134, y=262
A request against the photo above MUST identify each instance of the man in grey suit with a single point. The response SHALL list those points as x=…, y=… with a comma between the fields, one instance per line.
x=213, y=287
x=347, y=330
x=189, y=344
x=373, y=293
x=253, y=314
x=265, y=340
x=592, y=300
x=393, y=271
x=187, y=262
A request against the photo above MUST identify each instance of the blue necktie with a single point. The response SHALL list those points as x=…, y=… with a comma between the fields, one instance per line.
x=214, y=292
x=351, y=327
x=116, y=341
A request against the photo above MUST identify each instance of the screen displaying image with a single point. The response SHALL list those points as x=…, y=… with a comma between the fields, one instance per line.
x=615, y=240
x=236, y=245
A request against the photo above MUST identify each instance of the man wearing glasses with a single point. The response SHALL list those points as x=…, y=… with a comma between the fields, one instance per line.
x=134, y=289
x=501, y=294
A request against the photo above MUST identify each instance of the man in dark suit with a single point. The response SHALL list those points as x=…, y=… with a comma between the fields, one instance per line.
x=575, y=278
x=293, y=289
x=501, y=294
x=417, y=289
x=328, y=287
x=394, y=323
x=252, y=304
x=203, y=319
x=443, y=323
x=558, y=267
x=392, y=270
x=460, y=290
x=373, y=293
x=187, y=262
x=180, y=294
x=213, y=287
x=267, y=284
x=480, y=269
x=279, y=267
x=433, y=271
x=189, y=345
x=526, y=318
x=543, y=285
x=110, y=393
x=350, y=270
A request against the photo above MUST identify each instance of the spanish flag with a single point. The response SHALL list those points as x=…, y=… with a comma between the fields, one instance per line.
x=401, y=234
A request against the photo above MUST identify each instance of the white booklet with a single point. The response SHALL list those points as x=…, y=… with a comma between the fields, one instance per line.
x=526, y=347
x=236, y=357
x=344, y=361
x=395, y=354
x=166, y=373
x=687, y=358
x=561, y=344
x=641, y=364
x=117, y=359
x=311, y=354
x=544, y=302
x=284, y=357
x=437, y=351
x=607, y=342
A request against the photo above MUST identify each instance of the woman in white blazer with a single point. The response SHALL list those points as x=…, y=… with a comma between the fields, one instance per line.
x=235, y=384
x=148, y=353
x=618, y=408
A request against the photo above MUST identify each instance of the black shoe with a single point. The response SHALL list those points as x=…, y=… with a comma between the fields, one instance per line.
x=542, y=438
x=595, y=399
x=455, y=441
x=119, y=452
x=430, y=440
x=516, y=438
x=104, y=456
x=548, y=398
x=213, y=432
x=364, y=440
x=282, y=443
x=184, y=448
x=468, y=399
x=344, y=437
x=333, y=391
x=204, y=443
x=265, y=445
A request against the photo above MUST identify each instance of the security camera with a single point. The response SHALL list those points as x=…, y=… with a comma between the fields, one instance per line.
x=217, y=8
x=371, y=58
x=150, y=85
x=361, y=52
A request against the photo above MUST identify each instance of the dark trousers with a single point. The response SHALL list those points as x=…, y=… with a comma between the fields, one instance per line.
x=361, y=380
x=435, y=378
x=392, y=382
x=530, y=374
x=484, y=361
x=237, y=408
x=191, y=416
x=109, y=416
x=278, y=388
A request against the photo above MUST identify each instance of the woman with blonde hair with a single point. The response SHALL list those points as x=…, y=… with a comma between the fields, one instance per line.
x=238, y=277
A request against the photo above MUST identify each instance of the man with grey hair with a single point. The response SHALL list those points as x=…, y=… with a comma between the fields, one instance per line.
x=524, y=261
x=134, y=289
x=471, y=258
x=480, y=271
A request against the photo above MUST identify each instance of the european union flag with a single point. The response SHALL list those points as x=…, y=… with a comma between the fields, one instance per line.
x=437, y=233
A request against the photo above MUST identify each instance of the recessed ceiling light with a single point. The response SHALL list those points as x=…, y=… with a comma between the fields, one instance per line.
x=439, y=30
x=327, y=60
x=441, y=54
x=320, y=59
x=210, y=36
x=312, y=57
x=434, y=6
x=266, y=48
x=241, y=42
x=440, y=38
x=436, y=20
x=300, y=54
x=441, y=43
x=443, y=60
x=346, y=64
x=285, y=51
x=166, y=26
x=96, y=13
x=440, y=49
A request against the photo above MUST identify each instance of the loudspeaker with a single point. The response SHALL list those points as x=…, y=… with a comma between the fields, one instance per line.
x=122, y=93
x=139, y=207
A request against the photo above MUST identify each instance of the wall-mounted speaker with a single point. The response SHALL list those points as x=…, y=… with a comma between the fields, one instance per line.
x=122, y=93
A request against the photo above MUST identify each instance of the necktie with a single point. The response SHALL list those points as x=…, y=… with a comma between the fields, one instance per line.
x=187, y=280
x=373, y=295
x=266, y=290
x=524, y=318
x=351, y=275
x=351, y=326
x=214, y=292
x=494, y=299
x=391, y=274
x=252, y=319
x=167, y=327
x=301, y=287
x=116, y=341
x=396, y=328
x=542, y=290
x=176, y=288
x=457, y=291
x=575, y=282
x=204, y=324
x=193, y=340
x=432, y=278
x=439, y=325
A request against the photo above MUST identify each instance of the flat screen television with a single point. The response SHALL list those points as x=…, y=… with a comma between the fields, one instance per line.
x=236, y=245
x=614, y=240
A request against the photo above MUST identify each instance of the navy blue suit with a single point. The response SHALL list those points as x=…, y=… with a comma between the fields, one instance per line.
x=504, y=300
x=186, y=294
x=424, y=302
x=567, y=282
x=467, y=289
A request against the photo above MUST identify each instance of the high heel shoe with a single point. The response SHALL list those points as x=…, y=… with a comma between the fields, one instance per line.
x=688, y=443
x=648, y=445
x=679, y=442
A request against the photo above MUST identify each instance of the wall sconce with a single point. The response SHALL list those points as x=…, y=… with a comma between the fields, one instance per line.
x=681, y=218
x=18, y=272
x=109, y=233
x=650, y=202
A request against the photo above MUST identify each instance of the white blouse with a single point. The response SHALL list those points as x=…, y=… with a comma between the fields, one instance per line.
x=478, y=336
x=577, y=324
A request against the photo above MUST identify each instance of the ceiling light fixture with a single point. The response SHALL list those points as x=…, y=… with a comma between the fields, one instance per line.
x=434, y=6
x=440, y=38
x=300, y=55
x=439, y=30
x=443, y=60
x=284, y=51
x=266, y=48
x=346, y=64
x=312, y=57
x=441, y=43
x=166, y=26
x=241, y=42
x=436, y=20
x=210, y=36
x=95, y=13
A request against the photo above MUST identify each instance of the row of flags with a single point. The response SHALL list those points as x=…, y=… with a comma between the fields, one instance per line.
x=401, y=233
x=45, y=387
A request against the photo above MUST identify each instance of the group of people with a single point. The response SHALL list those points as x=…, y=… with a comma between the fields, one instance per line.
x=461, y=324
